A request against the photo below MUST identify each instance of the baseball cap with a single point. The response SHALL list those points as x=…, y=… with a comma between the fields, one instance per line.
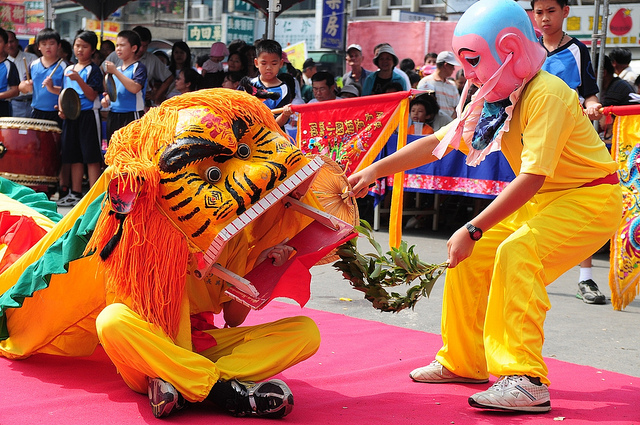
x=447, y=57
x=354, y=46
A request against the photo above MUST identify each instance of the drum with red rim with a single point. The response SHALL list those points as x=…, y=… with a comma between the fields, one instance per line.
x=30, y=152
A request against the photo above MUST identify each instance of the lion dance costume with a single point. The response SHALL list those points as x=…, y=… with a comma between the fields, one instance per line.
x=119, y=268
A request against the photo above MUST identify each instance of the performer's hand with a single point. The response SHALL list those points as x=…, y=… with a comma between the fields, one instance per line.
x=60, y=113
x=459, y=247
x=109, y=67
x=286, y=110
x=593, y=111
x=105, y=101
x=360, y=182
x=48, y=83
x=279, y=254
x=73, y=75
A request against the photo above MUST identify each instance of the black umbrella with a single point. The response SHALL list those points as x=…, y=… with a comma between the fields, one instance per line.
x=263, y=5
x=102, y=8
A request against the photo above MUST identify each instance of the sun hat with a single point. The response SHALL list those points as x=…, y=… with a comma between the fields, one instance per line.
x=386, y=49
x=351, y=89
x=219, y=49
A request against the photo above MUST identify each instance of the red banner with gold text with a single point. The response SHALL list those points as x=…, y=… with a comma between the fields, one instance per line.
x=350, y=131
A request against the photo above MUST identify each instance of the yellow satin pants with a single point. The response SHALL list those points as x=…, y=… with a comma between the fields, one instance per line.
x=495, y=302
x=250, y=353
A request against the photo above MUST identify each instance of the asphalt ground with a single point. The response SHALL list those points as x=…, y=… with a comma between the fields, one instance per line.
x=591, y=335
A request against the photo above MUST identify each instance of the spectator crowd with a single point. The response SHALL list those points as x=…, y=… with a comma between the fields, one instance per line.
x=118, y=82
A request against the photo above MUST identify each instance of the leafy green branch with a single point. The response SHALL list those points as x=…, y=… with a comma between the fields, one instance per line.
x=374, y=273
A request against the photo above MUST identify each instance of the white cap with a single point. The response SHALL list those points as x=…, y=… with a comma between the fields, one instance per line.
x=447, y=57
x=354, y=46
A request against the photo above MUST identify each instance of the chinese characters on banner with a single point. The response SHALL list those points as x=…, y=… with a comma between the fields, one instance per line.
x=240, y=28
x=349, y=131
x=12, y=14
x=22, y=17
x=333, y=24
x=352, y=132
x=203, y=35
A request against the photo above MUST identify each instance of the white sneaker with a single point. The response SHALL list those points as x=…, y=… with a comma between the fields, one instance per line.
x=515, y=393
x=71, y=200
x=435, y=373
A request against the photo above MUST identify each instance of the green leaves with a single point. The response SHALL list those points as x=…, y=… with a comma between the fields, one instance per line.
x=372, y=273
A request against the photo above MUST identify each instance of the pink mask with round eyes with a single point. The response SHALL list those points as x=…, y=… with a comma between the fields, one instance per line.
x=481, y=67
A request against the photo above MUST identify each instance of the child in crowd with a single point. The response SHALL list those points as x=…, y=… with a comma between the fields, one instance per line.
x=66, y=51
x=232, y=79
x=81, y=137
x=434, y=116
x=269, y=61
x=46, y=77
x=130, y=79
x=180, y=61
x=418, y=115
x=569, y=59
x=217, y=54
x=9, y=78
x=188, y=80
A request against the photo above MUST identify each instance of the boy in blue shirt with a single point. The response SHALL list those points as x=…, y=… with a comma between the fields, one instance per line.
x=46, y=77
x=269, y=61
x=569, y=59
x=80, y=137
x=9, y=78
x=130, y=79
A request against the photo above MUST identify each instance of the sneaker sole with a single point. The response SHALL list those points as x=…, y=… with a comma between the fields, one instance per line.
x=539, y=408
x=458, y=380
x=597, y=301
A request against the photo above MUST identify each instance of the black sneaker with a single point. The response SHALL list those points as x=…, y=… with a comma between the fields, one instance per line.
x=163, y=397
x=270, y=399
x=589, y=293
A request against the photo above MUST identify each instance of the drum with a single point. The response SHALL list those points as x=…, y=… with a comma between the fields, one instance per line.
x=30, y=152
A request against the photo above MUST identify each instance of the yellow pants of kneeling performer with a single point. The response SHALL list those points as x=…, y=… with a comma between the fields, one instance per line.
x=495, y=302
x=251, y=353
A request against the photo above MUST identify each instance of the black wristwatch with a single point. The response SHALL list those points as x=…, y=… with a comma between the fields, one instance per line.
x=475, y=233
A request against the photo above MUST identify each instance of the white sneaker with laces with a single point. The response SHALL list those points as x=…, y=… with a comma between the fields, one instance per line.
x=435, y=373
x=515, y=393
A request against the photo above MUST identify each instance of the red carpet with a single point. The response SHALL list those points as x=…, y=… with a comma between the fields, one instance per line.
x=359, y=376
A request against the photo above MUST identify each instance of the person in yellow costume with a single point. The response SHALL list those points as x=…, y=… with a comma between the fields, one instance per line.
x=559, y=209
x=119, y=269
